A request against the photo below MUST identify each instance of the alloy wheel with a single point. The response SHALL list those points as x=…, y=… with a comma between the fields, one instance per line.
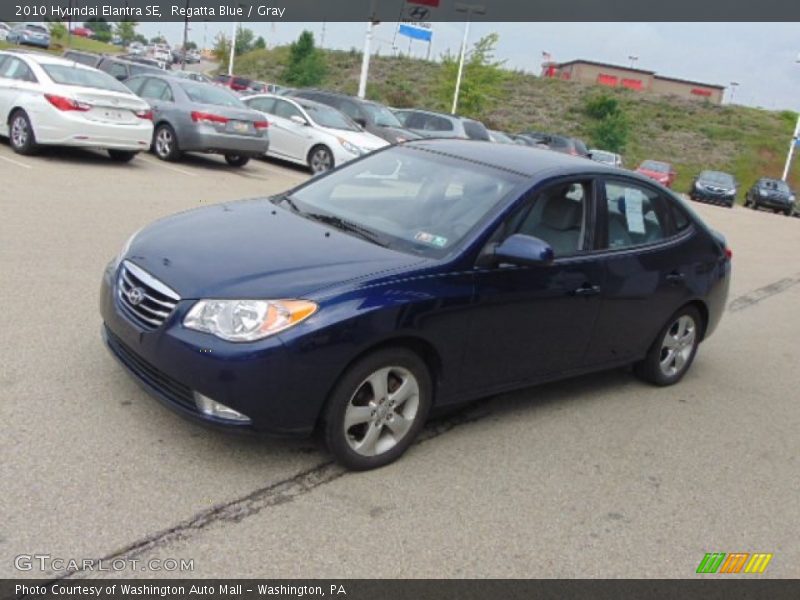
x=321, y=161
x=164, y=142
x=381, y=411
x=678, y=345
x=19, y=131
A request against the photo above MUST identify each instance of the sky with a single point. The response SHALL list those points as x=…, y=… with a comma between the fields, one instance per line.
x=761, y=57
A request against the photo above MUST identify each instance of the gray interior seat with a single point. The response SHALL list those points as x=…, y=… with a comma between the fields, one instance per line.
x=558, y=224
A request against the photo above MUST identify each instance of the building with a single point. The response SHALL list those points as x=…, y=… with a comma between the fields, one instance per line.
x=586, y=71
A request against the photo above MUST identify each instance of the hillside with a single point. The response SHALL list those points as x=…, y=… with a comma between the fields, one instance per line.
x=76, y=43
x=747, y=142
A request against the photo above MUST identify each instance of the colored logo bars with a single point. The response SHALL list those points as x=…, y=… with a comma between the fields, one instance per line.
x=737, y=562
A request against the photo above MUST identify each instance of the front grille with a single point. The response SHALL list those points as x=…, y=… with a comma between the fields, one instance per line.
x=146, y=300
x=150, y=375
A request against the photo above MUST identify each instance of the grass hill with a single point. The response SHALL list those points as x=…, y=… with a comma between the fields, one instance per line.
x=693, y=135
x=59, y=44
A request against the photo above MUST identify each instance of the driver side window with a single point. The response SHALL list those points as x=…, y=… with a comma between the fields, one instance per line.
x=556, y=215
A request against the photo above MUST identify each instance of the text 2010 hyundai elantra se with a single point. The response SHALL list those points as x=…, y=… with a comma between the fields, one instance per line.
x=420, y=276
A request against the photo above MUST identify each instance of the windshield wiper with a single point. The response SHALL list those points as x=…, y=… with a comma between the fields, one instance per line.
x=288, y=199
x=347, y=226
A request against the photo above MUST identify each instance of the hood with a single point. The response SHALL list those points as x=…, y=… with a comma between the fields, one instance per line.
x=395, y=134
x=254, y=249
x=657, y=175
x=362, y=139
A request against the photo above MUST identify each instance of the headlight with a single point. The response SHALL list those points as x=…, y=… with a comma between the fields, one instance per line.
x=762, y=193
x=247, y=320
x=791, y=198
x=351, y=148
x=699, y=186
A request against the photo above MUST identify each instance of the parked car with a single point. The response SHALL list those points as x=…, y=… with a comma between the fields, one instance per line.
x=5, y=29
x=136, y=48
x=524, y=140
x=772, y=194
x=47, y=100
x=90, y=59
x=500, y=138
x=162, y=54
x=122, y=69
x=715, y=187
x=607, y=158
x=191, y=116
x=234, y=82
x=661, y=172
x=29, y=34
x=425, y=275
x=193, y=75
x=144, y=60
x=82, y=32
x=372, y=116
x=559, y=143
x=312, y=134
x=431, y=124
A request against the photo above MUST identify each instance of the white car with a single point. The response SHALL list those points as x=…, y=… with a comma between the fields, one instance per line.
x=312, y=134
x=606, y=157
x=5, y=29
x=47, y=100
x=163, y=54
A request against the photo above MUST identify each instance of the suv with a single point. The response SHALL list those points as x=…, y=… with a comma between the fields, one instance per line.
x=30, y=34
x=375, y=118
x=559, y=143
x=124, y=69
x=432, y=124
x=771, y=193
x=237, y=84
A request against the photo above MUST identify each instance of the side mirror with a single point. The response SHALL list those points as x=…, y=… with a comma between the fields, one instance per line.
x=521, y=249
x=360, y=121
x=298, y=119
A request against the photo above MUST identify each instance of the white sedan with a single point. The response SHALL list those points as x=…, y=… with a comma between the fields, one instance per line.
x=312, y=134
x=46, y=100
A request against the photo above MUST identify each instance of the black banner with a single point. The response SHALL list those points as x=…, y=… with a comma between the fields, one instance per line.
x=394, y=10
x=713, y=588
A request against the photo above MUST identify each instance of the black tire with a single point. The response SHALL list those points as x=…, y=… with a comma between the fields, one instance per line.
x=788, y=212
x=401, y=366
x=122, y=156
x=651, y=369
x=21, y=136
x=165, y=143
x=235, y=160
x=320, y=160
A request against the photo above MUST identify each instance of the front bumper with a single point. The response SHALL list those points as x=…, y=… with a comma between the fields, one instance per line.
x=774, y=203
x=703, y=195
x=171, y=363
x=206, y=139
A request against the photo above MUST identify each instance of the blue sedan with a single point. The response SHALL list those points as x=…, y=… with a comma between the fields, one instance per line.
x=418, y=277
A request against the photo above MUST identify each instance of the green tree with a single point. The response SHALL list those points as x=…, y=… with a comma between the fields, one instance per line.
x=609, y=126
x=57, y=29
x=100, y=27
x=481, y=81
x=140, y=38
x=221, y=49
x=126, y=31
x=260, y=44
x=306, y=65
x=190, y=45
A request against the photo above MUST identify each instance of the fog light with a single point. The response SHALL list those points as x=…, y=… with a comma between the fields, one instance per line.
x=212, y=408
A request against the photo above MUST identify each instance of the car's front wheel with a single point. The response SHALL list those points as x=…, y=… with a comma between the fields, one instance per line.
x=122, y=156
x=377, y=409
x=235, y=160
x=671, y=355
x=320, y=160
x=20, y=134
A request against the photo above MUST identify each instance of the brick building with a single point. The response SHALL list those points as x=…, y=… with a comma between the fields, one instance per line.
x=586, y=71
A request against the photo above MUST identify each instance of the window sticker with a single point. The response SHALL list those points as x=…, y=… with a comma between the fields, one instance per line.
x=633, y=210
x=429, y=238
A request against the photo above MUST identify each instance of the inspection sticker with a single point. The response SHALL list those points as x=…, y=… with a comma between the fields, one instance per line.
x=429, y=238
x=633, y=210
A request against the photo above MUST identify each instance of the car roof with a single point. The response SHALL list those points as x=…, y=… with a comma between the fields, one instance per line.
x=522, y=160
x=44, y=59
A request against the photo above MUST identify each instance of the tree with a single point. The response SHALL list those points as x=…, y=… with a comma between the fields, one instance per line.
x=609, y=127
x=126, y=31
x=57, y=29
x=100, y=27
x=481, y=81
x=190, y=45
x=306, y=65
x=222, y=48
x=159, y=39
x=244, y=40
x=260, y=44
x=140, y=38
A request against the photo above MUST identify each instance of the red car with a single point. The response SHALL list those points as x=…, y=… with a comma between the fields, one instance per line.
x=237, y=84
x=82, y=32
x=662, y=172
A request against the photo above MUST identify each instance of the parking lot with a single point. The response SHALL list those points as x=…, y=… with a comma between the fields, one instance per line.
x=601, y=476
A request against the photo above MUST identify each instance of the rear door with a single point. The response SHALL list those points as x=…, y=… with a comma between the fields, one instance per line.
x=16, y=81
x=650, y=262
x=159, y=95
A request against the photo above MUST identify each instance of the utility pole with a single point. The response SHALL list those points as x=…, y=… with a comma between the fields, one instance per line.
x=233, y=48
x=469, y=9
x=185, y=38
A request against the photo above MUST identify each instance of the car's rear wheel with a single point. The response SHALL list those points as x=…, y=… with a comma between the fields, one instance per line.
x=377, y=409
x=320, y=160
x=122, y=156
x=165, y=143
x=20, y=134
x=235, y=160
x=674, y=349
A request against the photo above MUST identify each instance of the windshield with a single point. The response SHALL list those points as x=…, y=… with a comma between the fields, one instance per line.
x=409, y=199
x=382, y=116
x=208, y=94
x=36, y=28
x=68, y=75
x=326, y=116
x=716, y=177
x=602, y=156
x=654, y=165
x=775, y=184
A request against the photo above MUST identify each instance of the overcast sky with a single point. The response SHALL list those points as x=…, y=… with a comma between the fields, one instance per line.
x=761, y=57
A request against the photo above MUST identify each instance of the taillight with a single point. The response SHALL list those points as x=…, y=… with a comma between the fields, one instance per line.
x=728, y=253
x=65, y=104
x=261, y=124
x=147, y=115
x=201, y=117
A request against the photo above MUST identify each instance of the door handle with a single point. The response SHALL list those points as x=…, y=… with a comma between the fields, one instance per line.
x=676, y=277
x=587, y=290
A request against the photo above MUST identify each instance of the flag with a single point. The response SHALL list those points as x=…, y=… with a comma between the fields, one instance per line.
x=546, y=56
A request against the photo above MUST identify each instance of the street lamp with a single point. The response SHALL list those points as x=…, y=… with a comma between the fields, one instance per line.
x=734, y=85
x=469, y=9
x=794, y=142
x=633, y=59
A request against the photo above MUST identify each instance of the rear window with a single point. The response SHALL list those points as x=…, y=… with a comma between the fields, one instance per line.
x=208, y=94
x=67, y=75
x=475, y=130
x=84, y=59
x=654, y=165
x=581, y=147
x=36, y=28
x=241, y=81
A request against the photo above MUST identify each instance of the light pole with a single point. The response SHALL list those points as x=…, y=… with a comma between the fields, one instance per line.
x=633, y=60
x=362, y=80
x=233, y=49
x=734, y=85
x=793, y=143
x=469, y=9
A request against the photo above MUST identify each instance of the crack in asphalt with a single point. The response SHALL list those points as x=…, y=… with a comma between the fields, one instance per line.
x=275, y=494
x=754, y=297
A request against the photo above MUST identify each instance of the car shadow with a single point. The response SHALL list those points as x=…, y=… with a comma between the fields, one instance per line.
x=68, y=154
